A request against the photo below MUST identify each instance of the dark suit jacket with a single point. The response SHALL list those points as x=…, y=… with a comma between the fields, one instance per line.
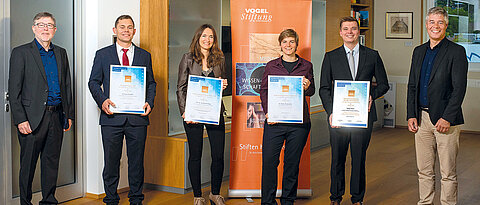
x=28, y=87
x=447, y=84
x=188, y=67
x=100, y=75
x=335, y=67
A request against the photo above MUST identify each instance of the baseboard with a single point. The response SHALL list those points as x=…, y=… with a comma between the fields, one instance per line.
x=94, y=196
x=101, y=196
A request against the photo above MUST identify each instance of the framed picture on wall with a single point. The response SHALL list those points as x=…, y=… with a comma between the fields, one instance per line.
x=399, y=25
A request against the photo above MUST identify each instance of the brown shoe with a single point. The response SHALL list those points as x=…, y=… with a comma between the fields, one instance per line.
x=216, y=199
x=334, y=203
x=198, y=201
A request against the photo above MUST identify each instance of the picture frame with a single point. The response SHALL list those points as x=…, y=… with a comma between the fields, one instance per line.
x=399, y=25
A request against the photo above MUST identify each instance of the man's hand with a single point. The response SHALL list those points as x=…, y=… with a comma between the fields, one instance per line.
x=106, y=108
x=270, y=123
x=442, y=125
x=306, y=83
x=24, y=128
x=147, y=109
x=69, y=125
x=330, y=121
x=370, y=101
x=412, y=125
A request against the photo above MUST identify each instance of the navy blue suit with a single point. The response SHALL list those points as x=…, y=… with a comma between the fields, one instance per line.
x=116, y=126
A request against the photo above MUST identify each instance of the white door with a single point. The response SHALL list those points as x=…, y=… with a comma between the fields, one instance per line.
x=15, y=29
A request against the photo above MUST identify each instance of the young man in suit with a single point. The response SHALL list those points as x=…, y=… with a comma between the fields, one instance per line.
x=40, y=92
x=436, y=88
x=350, y=61
x=115, y=126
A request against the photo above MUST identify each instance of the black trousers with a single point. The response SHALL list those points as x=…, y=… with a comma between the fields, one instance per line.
x=216, y=136
x=340, y=139
x=295, y=136
x=112, y=138
x=45, y=141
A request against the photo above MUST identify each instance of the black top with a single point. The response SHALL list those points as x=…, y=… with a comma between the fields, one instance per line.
x=289, y=65
x=425, y=72
x=210, y=74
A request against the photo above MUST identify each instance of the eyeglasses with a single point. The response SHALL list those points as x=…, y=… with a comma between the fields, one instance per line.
x=43, y=25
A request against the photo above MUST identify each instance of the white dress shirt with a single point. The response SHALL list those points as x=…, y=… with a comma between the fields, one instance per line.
x=130, y=53
x=356, y=51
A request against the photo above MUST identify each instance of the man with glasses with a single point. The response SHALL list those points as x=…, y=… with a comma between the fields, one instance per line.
x=40, y=92
x=116, y=126
x=436, y=88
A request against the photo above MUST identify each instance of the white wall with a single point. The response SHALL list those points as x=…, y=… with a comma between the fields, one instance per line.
x=99, y=18
x=397, y=53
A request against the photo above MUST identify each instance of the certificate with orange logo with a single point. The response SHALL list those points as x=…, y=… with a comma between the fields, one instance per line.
x=204, y=99
x=285, y=99
x=350, y=103
x=127, y=89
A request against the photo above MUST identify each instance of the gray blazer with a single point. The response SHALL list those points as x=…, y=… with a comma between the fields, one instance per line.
x=188, y=67
x=28, y=87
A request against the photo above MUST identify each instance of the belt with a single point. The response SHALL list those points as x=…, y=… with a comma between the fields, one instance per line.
x=424, y=109
x=53, y=108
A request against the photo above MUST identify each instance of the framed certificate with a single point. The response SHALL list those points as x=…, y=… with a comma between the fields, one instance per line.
x=350, y=103
x=204, y=99
x=127, y=89
x=285, y=99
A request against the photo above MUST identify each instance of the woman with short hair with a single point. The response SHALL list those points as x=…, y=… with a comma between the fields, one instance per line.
x=276, y=134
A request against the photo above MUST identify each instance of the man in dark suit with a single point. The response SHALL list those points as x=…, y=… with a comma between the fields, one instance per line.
x=40, y=92
x=436, y=88
x=115, y=126
x=350, y=61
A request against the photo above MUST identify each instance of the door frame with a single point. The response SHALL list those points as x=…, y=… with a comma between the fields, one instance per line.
x=65, y=192
x=5, y=138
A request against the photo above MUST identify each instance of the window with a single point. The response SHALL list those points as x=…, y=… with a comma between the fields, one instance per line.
x=464, y=25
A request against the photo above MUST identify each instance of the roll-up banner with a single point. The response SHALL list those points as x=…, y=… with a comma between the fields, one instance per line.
x=256, y=25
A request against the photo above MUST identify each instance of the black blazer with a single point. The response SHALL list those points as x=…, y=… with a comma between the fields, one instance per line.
x=28, y=87
x=100, y=75
x=187, y=67
x=447, y=84
x=335, y=67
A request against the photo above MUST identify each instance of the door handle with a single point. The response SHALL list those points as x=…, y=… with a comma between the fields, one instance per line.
x=7, y=107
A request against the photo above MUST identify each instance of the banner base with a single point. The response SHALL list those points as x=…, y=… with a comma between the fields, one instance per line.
x=240, y=193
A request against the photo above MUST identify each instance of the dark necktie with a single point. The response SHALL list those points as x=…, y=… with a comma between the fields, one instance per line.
x=125, y=57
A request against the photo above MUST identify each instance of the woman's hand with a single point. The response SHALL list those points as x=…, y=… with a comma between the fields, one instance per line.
x=306, y=83
x=270, y=123
x=224, y=83
x=188, y=122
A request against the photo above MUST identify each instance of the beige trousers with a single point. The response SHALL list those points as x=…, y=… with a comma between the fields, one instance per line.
x=429, y=142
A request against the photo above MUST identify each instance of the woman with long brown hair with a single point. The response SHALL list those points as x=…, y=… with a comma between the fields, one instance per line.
x=204, y=59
